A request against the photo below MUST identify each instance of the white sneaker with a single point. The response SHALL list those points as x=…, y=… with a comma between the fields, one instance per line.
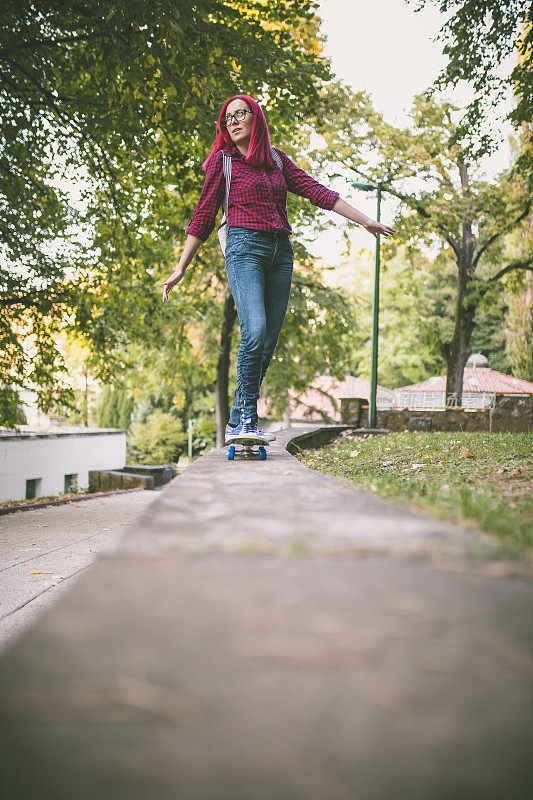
x=268, y=437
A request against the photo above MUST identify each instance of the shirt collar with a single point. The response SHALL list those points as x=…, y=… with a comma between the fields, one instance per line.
x=234, y=151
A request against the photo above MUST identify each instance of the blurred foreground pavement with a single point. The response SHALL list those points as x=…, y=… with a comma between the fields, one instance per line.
x=263, y=632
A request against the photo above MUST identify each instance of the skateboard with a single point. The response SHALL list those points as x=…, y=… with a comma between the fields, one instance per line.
x=247, y=448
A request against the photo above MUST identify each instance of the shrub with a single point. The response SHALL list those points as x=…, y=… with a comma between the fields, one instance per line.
x=204, y=435
x=159, y=440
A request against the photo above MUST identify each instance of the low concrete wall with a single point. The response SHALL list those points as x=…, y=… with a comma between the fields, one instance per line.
x=510, y=414
x=130, y=476
x=111, y=479
x=49, y=457
x=314, y=439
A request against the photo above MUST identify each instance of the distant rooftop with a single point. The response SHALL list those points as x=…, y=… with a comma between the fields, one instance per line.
x=314, y=405
x=477, y=377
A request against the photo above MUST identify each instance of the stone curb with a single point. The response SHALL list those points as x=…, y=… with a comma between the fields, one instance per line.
x=63, y=500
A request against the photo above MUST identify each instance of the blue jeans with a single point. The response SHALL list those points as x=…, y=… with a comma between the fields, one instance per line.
x=259, y=270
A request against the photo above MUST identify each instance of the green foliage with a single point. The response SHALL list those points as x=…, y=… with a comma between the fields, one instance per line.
x=490, y=334
x=479, y=36
x=415, y=316
x=204, y=435
x=12, y=414
x=519, y=302
x=314, y=339
x=519, y=325
x=444, y=199
x=123, y=94
x=159, y=440
x=114, y=408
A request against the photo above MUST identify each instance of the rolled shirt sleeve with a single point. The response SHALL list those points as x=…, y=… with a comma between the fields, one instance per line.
x=300, y=183
x=211, y=198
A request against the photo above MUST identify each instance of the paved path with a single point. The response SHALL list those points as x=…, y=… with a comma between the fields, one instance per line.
x=263, y=632
x=58, y=543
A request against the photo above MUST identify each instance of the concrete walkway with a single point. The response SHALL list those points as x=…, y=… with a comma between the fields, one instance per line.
x=43, y=551
x=264, y=632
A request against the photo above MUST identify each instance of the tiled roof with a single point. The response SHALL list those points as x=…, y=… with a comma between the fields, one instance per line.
x=315, y=405
x=480, y=379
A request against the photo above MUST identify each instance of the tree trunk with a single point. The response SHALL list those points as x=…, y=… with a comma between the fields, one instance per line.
x=287, y=413
x=457, y=351
x=222, y=382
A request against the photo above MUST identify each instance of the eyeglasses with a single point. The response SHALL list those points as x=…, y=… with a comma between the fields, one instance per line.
x=239, y=115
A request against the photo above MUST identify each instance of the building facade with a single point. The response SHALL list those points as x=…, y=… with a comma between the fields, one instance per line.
x=45, y=463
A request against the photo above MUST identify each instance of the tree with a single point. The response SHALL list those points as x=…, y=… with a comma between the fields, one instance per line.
x=121, y=307
x=443, y=195
x=479, y=36
x=114, y=408
x=123, y=93
x=314, y=340
x=519, y=338
x=519, y=297
x=416, y=316
x=160, y=440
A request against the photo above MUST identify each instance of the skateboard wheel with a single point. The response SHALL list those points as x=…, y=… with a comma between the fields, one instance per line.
x=262, y=454
x=231, y=453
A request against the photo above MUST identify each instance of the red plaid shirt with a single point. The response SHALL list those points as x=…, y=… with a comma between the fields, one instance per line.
x=257, y=198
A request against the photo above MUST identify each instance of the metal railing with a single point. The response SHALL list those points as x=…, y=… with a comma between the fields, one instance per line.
x=435, y=401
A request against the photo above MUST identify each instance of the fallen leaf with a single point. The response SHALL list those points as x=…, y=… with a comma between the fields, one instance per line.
x=38, y=572
x=464, y=452
x=40, y=526
x=513, y=473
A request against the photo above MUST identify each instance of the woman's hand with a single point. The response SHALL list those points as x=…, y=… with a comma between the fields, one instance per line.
x=191, y=246
x=175, y=278
x=377, y=228
x=348, y=211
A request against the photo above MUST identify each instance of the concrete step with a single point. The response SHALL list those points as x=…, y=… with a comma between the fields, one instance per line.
x=149, y=477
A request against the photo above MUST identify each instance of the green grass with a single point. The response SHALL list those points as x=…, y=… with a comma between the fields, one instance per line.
x=479, y=479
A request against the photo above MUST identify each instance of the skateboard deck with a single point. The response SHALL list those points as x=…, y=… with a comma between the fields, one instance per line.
x=248, y=447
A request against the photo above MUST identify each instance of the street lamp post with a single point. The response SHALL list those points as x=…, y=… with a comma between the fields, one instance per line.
x=372, y=414
x=190, y=425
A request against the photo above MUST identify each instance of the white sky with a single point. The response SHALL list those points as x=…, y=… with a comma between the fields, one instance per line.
x=383, y=47
x=386, y=48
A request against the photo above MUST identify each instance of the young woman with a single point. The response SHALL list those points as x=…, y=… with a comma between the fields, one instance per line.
x=259, y=254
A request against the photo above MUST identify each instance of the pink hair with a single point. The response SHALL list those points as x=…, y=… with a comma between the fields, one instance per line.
x=259, y=149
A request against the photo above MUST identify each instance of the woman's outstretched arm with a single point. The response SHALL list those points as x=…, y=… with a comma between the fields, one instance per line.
x=190, y=248
x=348, y=211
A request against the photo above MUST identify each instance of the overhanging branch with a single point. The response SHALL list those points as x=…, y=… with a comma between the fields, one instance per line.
x=506, y=229
x=524, y=264
x=413, y=203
